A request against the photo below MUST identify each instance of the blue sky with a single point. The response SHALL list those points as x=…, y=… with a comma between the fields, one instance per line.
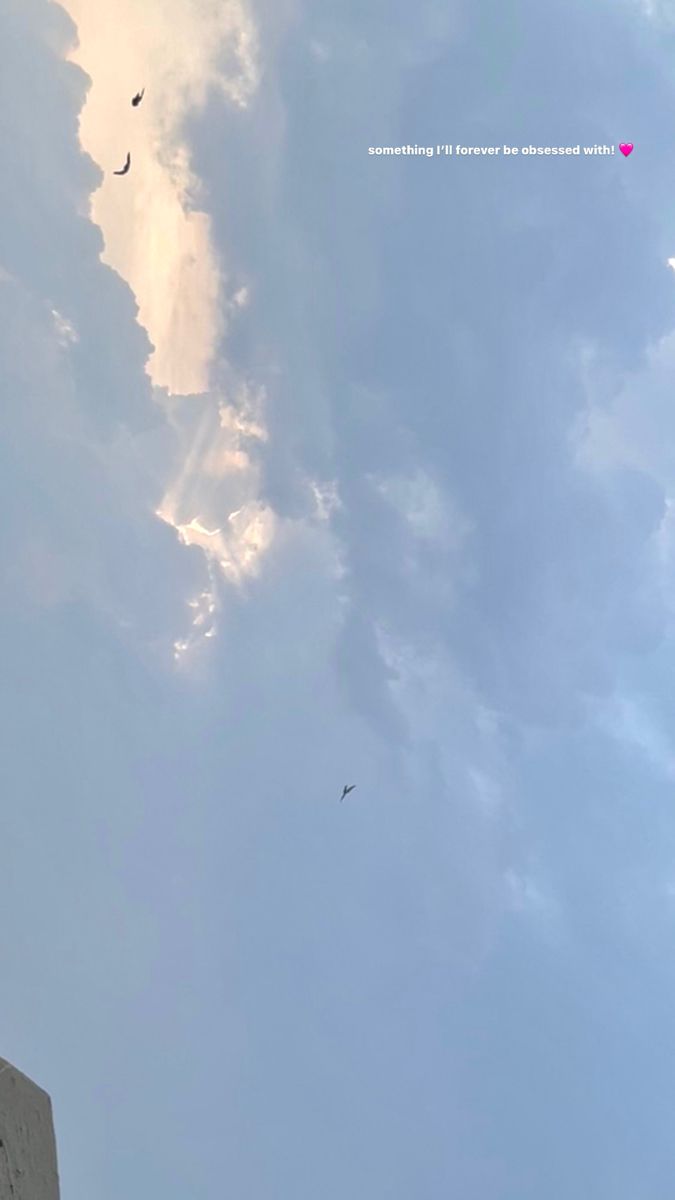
x=319, y=468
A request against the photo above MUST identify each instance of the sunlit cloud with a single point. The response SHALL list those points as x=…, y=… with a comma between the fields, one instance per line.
x=212, y=499
x=154, y=234
x=238, y=547
x=157, y=237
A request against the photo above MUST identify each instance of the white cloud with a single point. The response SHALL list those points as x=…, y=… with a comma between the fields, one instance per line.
x=326, y=498
x=630, y=720
x=531, y=899
x=625, y=416
x=659, y=11
x=487, y=790
x=440, y=708
x=65, y=331
x=319, y=50
x=425, y=510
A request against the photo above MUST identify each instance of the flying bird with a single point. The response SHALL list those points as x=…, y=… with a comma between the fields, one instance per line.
x=346, y=790
x=125, y=168
x=137, y=98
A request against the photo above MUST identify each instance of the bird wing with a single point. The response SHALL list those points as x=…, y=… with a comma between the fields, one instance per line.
x=125, y=168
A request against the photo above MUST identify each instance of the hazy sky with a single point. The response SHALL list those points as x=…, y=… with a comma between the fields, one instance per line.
x=321, y=468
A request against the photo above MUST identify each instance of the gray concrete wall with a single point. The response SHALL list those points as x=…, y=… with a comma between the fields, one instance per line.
x=27, y=1147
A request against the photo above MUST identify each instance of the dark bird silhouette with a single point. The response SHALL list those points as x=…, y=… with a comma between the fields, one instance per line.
x=125, y=168
x=137, y=98
x=346, y=790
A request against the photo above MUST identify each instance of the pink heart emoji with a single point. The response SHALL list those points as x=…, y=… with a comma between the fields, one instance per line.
x=626, y=148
